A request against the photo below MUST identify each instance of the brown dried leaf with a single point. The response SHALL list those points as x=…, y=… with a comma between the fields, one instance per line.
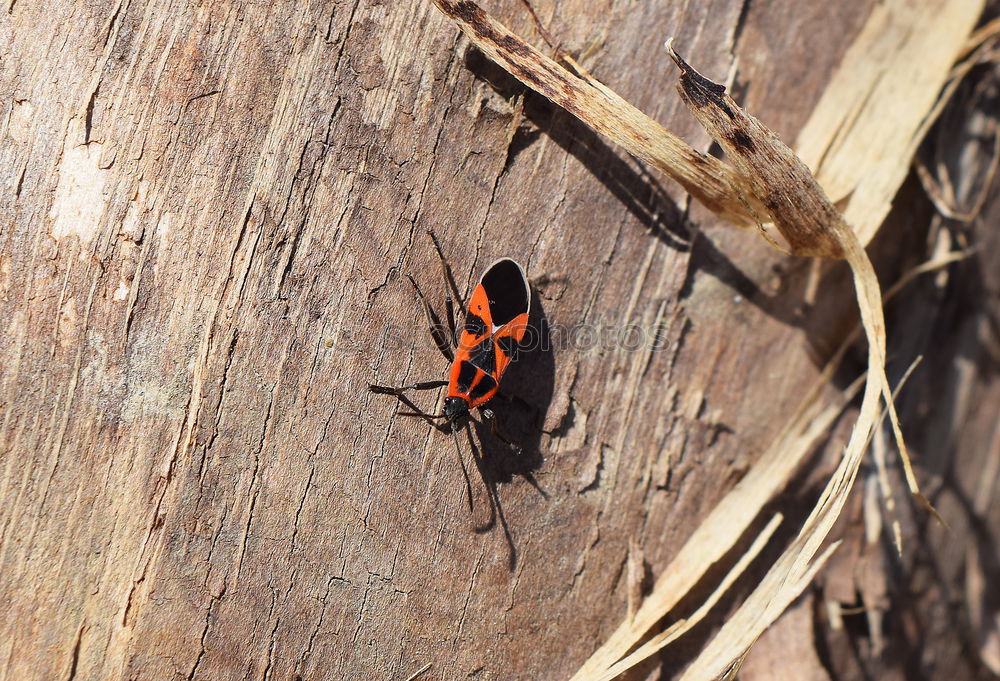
x=800, y=209
x=777, y=178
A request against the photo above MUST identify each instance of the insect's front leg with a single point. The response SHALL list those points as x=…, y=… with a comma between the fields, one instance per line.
x=399, y=394
x=391, y=390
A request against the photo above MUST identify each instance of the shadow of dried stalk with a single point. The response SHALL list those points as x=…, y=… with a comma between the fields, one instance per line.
x=767, y=185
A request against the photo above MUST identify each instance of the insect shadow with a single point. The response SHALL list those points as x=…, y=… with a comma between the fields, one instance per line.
x=520, y=408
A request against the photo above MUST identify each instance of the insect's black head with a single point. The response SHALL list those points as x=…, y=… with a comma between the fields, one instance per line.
x=456, y=409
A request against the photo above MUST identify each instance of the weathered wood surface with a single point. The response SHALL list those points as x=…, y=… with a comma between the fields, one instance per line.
x=207, y=214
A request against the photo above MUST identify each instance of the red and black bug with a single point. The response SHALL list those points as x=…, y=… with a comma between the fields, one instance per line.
x=496, y=322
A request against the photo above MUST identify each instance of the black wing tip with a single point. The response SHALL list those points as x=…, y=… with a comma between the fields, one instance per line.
x=507, y=286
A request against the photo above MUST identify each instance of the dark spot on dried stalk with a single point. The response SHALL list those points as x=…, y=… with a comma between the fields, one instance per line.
x=468, y=12
x=725, y=108
x=700, y=89
x=742, y=141
x=514, y=46
x=531, y=79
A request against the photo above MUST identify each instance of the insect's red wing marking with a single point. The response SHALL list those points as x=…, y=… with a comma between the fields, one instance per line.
x=472, y=383
x=472, y=371
x=478, y=322
x=506, y=339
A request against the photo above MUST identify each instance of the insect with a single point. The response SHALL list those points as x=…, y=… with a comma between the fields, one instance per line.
x=496, y=322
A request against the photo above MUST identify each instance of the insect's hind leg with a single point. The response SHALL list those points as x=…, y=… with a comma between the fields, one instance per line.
x=430, y=419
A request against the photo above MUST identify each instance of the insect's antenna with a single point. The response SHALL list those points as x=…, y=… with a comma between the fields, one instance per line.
x=461, y=462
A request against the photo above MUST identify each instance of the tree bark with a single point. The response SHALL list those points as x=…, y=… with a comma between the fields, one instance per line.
x=209, y=214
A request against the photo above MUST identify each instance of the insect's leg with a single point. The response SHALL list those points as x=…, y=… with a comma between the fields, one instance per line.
x=434, y=325
x=490, y=417
x=496, y=510
x=450, y=288
x=421, y=415
x=416, y=411
x=389, y=390
x=429, y=418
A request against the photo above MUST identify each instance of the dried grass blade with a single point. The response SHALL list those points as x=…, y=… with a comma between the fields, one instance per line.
x=706, y=178
x=802, y=213
x=679, y=628
x=811, y=225
x=722, y=528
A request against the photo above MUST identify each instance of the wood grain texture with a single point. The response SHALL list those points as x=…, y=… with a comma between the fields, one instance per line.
x=208, y=210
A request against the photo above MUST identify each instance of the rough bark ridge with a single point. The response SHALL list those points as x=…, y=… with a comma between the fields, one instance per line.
x=208, y=210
